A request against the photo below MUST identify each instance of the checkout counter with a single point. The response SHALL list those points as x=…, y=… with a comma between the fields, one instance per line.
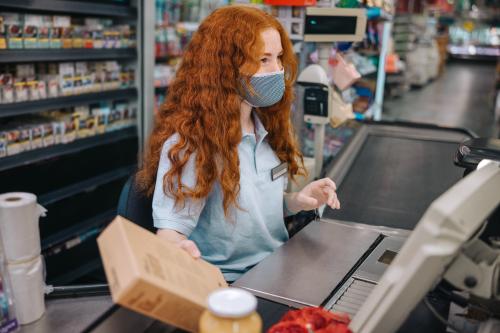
x=339, y=265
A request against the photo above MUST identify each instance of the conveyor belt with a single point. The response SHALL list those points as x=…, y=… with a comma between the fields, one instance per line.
x=393, y=174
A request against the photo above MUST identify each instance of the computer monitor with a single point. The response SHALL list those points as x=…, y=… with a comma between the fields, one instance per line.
x=334, y=24
x=451, y=222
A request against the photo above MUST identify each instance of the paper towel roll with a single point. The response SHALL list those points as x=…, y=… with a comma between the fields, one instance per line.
x=19, y=230
x=26, y=280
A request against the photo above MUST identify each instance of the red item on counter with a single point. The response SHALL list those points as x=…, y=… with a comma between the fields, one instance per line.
x=315, y=320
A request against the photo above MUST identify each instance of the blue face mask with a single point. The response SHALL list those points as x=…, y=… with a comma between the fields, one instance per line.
x=268, y=89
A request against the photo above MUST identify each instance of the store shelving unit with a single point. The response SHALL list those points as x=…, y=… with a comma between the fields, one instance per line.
x=15, y=109
x=59, y=150
x=78, y=182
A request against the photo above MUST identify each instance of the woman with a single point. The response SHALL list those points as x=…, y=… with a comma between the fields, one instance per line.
x=223, y=144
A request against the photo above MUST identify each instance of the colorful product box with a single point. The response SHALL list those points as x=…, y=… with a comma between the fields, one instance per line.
x=58, y=22
x=14, y=30
x=18, y=140
x=6, y=88
x=64, y=22
x=77, y=37
x=3, y=144
x=102, y=113
x=86, y=123
x=3, y=34
x=30, y=30
x=36, y=136
x=66, y=78
x=21, y=91
x=44, y=32
x=48, y=134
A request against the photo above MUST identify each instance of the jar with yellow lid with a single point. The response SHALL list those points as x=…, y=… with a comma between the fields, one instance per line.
x=231, y=310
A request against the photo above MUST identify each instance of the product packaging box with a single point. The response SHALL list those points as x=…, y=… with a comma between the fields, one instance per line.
x=44, y=32
x=102, y=112
x=86, y=123
x=3, y=144
x=151, y=276
x=14, y=30
x=3, y=35
x=57, y=26
x=66, y=78
x=32, y=24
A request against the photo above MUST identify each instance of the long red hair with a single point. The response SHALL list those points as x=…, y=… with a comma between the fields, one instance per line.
x=203, y=107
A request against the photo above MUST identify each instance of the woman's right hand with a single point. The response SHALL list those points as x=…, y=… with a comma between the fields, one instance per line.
x=190, y=247
x=180, y=240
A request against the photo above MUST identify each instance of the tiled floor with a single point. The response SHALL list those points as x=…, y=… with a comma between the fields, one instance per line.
x=462, y=97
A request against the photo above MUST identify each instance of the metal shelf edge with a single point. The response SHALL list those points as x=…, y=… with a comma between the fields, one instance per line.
x=73, y=231
x=41, y=154
x=70, y=7
x=40, y=55
x=14, y=109
x=84, y=185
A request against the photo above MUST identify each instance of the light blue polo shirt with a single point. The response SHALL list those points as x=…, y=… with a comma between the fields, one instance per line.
x=237, y=243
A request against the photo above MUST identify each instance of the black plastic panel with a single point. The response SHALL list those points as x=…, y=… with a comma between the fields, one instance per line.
x=104, y=8
x=49, y=175
x=38, y=55
x=65, y=213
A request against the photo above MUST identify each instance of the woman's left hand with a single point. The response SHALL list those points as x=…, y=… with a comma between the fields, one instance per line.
x=314, y=195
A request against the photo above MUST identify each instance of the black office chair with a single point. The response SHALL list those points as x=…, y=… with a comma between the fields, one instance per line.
x=135, y=206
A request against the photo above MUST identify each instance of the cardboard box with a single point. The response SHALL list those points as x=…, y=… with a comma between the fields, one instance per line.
x=154, y=277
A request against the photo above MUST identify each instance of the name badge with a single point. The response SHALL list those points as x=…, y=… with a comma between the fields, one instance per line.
x=279, y=171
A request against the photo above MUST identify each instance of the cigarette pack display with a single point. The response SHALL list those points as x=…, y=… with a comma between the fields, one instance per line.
x=78, y=33
x=30, y=30
x=66, y=31
x=36, y=137
x=33, y=89
x=7, y=94
x=14, y=30
x=70, y=126
x=3, y=144
x=48, y=134
x=85, y=122
x=6, y=88
x=66, y=78
x=55, y=32
x=3, y=35
x=21, y=91
x=44, y=32
x=17, y=140
x=41, y=88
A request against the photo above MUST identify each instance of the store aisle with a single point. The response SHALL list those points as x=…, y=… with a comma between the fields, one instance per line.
x=461, y=97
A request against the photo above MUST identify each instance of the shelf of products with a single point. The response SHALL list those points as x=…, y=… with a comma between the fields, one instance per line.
x=68, y=118
x=58, y=150
x=14, y=109
x=70, y=7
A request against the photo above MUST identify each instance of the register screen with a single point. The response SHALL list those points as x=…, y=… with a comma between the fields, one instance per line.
x=330, y=25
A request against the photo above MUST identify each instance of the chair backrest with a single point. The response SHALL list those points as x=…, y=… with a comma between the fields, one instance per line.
x=135, y=205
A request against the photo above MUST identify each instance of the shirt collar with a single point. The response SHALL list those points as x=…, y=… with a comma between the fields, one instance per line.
x=260, y=130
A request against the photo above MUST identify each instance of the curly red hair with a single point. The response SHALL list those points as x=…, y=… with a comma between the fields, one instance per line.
x=203, y=107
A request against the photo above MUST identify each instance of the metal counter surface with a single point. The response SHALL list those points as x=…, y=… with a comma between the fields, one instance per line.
x=69, y=314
